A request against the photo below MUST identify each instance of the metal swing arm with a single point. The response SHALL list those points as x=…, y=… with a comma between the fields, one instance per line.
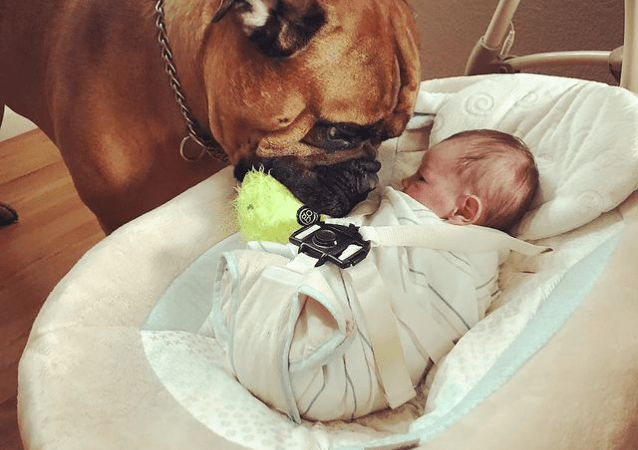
x=490, y=55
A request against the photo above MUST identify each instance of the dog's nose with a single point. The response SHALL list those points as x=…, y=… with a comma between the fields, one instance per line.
x=368, y=180
x=370, y=165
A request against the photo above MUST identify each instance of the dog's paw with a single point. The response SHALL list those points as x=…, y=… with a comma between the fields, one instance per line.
x=8, y=215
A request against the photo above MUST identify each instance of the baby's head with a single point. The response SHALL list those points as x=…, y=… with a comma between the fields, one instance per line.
x=481, y=177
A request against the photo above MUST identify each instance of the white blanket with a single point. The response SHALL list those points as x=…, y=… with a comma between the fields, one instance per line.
x=309, y=333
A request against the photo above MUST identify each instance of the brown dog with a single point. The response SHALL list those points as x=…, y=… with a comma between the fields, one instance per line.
x=307, y=88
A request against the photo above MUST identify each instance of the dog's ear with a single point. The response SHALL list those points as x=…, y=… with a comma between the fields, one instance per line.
x=279, y=28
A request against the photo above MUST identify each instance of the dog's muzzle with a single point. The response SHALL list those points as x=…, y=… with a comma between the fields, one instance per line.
x=328, y=189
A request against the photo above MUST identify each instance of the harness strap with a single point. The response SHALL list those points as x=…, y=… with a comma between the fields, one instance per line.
x=454, y=238
x=383, y=333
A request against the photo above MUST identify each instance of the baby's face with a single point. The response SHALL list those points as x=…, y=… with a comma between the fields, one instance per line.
x=436, y=184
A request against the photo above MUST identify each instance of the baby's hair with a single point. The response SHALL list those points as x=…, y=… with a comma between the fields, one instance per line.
x=502, y=171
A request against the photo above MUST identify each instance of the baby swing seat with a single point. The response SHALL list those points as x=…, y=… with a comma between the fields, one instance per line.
x=113, y=362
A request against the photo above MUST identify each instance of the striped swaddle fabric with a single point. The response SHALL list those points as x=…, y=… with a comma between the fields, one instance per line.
x=298, y=339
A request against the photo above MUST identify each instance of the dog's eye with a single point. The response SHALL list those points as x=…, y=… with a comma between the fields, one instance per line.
x=333, y=137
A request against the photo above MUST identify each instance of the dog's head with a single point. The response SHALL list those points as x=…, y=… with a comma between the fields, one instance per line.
x=309, y=89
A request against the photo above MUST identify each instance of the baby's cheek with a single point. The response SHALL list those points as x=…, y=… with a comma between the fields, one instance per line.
x=408, y=188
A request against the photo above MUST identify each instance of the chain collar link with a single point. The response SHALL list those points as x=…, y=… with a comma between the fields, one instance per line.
x=203, y=139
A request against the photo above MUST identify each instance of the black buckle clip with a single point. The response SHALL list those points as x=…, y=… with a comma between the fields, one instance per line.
x=341, y=245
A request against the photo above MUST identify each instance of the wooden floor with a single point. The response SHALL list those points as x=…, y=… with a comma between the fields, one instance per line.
x=54, y=231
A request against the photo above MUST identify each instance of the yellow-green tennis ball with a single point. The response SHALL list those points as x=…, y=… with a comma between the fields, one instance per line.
x=266, y=209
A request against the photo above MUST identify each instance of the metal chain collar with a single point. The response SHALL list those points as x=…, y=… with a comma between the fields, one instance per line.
x=204, y=140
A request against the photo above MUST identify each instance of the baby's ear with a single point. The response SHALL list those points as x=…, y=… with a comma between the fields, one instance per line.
x=468, y=211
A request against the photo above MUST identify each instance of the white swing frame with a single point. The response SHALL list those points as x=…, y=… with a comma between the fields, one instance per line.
x=491, y=53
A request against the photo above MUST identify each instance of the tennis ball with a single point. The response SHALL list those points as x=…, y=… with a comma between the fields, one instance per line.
x=266, y=209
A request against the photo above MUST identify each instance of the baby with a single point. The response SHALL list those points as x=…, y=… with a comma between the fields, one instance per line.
x=313, y=342
x=481, y=177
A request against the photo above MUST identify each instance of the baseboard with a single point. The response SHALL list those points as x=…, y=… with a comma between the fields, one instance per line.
x=14, y=124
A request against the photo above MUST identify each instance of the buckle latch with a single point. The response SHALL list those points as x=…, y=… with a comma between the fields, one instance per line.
x=341, y=245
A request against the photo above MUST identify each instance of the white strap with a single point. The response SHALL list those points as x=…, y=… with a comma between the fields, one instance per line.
x=456, y=238
x=376, y=304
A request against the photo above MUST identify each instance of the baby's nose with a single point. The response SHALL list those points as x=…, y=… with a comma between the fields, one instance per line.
x=405, y=182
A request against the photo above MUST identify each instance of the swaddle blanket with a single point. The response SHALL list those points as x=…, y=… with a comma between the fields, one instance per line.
x=300, y=340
